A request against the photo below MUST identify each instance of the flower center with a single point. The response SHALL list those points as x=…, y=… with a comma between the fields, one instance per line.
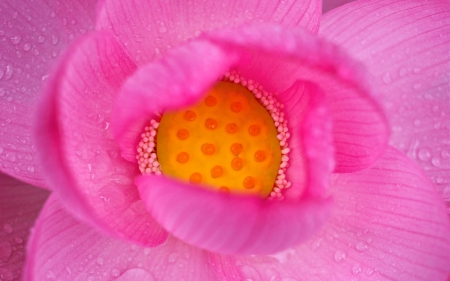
x=228, y=141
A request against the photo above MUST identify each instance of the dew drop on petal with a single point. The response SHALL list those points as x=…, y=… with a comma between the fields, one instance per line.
x=356, y=269
x=115, y=272
x=339, y=256
x=7, y=228
x=6, y=274
x=5, y=251
x=16, y=39
x=136, y=274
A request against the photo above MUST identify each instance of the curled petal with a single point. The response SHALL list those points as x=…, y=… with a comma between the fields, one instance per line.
x=177, y=80
x=395, y=228
x=255, y=225
x=228, y=223
x=77, y=149
x=360, y=130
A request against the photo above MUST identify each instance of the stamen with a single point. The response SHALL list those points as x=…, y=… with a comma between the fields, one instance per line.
x=240, y=162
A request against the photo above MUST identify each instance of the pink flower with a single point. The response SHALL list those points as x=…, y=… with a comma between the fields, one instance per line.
x=366, y=92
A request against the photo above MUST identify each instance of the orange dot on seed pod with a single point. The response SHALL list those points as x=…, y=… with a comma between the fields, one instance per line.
x=208, y=148
x=249, y=182
x=183, y=134
x=237, y=163
x=210, y=101
x=236, y=148
x=190, y=115
x=216, y=171
x=254, y=130
x=196, y=178
x=183, y=157
x=211, y=124
x=260, y=156
x=236, y=106
x=232, y=128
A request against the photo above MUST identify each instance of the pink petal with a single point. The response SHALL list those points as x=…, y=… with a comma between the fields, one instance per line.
x=359, y=127
x=149, y=28
x=62, y=248
x=180, y=78
x=228, y=223
x=405, y=46
x=184, y=75
x=389, y=224
x=328, y=5
x=311, y=160
x=32, y=34
x=20, y=204
x=76, y=146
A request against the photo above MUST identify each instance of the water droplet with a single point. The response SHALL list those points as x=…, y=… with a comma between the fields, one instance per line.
x=417, y=70
x=41, y=39
x=436, y=162
x=100, y=261
x=162, y=28
x=26, y=47
x=51, y=275
x=424, y=154
x=136, y=274
x=173, y=258
x=339, y=256
x=54, y=40
x=1, y=150
x=361, y=246
x=356, y=269
x=68, y=270
x=11, y=157
x=121, y=179
x=16, y=39
x=284, y=256
x=18, y=240
x=250, y=273
x=30, y=169
x=90, y=278
x=5, y=251
x=402, y=71
x=6, y=274
x=115, y=272
x=387, y=78
x=7, y=228
x=316, y=244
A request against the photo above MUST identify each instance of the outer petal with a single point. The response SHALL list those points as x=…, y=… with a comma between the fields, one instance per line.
x=32, y=34
x=229, y=223
x=62, y=248
x=76, y=146
x=20, y=204
x=177, y=80
x=149, y=28
x=405, y=45
x=359, y=127
x=395, y=228
x=328, y=5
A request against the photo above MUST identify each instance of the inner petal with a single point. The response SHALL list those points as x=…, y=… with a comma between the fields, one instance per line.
x=232, y=141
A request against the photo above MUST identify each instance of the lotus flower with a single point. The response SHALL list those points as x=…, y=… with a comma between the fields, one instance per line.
x=365, y=89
